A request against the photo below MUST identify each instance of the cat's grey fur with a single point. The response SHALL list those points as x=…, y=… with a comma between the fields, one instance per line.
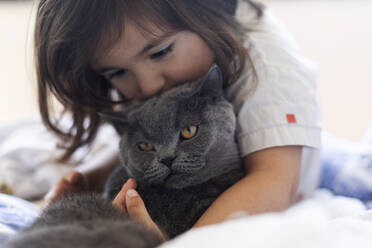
x=180, y=178
x=84, y=221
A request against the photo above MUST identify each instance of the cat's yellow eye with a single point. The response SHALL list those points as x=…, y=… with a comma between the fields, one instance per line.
x=145, y=147
x=189, y=132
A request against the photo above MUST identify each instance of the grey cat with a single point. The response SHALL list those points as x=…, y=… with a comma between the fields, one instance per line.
x=84, y=221
x=181, y=149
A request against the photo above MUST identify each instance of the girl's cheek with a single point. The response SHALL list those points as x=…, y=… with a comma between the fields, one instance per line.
x=128, y=89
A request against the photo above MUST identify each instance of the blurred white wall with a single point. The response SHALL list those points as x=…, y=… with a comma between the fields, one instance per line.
x=336, y=35
x=17, y=91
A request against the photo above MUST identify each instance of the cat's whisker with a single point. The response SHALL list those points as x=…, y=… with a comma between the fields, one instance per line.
x=156, y=174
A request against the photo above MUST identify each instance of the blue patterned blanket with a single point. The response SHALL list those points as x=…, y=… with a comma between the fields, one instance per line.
x=347, y=167
x=15, y=214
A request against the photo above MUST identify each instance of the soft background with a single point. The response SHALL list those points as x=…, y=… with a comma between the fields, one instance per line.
x=335, y=34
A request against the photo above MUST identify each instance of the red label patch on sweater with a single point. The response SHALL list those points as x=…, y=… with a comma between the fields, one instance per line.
x=291, y=118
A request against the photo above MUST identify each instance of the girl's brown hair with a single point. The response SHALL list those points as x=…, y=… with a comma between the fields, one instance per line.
x=69, y=32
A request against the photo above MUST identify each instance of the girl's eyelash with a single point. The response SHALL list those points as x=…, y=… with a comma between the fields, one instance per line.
x=163, y=52
x=157, y=55
x=118, y=73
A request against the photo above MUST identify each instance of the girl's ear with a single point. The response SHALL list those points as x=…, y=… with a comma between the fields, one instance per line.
x=117, y=119
x=211, y=84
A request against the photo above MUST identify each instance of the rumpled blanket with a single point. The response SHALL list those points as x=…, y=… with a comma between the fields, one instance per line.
x=324, y=221
x=15, y=214
x=28, y=155
x=28, y=169
x=347, y=167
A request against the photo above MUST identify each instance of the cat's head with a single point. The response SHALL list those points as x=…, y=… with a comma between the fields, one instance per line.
x=179, y=138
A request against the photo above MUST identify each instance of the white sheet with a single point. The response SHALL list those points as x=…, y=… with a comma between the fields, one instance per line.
x=28, y=167
x=323, y=221
x=28, y=154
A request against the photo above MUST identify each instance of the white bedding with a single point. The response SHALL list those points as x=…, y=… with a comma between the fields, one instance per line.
x=325, y=221
x=28, y=168
x=28, y=155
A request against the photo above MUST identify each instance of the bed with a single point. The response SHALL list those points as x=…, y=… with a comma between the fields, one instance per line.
x=337, y=215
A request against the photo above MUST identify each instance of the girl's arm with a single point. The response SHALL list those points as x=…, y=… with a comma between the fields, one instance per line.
x=270, y=185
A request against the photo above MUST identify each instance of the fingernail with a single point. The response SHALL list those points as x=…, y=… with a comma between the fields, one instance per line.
x=131, y=180
x=132, y=193
x=73, y=178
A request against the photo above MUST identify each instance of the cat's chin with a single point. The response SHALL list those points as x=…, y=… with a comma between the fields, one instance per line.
x=177, y=181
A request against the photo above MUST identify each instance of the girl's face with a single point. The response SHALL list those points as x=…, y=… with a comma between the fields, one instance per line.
x=141, y=65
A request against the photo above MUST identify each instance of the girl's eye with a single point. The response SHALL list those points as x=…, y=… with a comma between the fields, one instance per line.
x=189, y=132
x=162, y=53
x=145, y=147
x=116, y=74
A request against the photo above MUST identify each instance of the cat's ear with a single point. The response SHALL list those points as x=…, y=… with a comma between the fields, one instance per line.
x=211, y=84
x=117, y=119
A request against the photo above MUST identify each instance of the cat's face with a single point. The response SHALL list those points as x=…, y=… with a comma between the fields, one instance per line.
x=167, y=140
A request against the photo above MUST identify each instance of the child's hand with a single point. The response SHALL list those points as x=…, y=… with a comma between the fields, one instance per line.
x=71, y=183
x=128, y=200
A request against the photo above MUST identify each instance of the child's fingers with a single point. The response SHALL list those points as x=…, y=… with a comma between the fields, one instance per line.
x=137, y=210
x=120, y=200
x=51, y=196
x=71, y=183
x=76, y=179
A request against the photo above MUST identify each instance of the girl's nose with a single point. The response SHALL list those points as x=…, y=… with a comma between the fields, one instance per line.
x=150, y=82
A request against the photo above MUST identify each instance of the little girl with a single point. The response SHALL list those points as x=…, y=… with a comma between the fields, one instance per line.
x=94, y=55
